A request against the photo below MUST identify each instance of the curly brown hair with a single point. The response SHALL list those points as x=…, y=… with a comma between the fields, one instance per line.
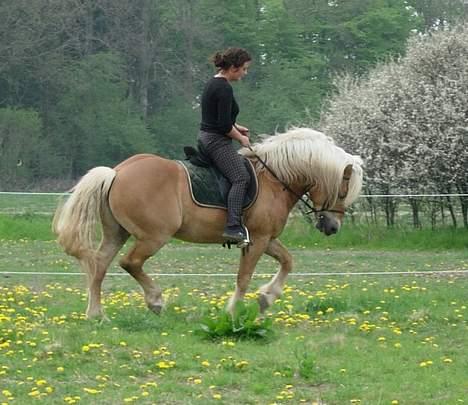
x=230, y=57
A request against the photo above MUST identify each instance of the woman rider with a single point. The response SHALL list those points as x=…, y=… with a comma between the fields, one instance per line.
x=218, y=128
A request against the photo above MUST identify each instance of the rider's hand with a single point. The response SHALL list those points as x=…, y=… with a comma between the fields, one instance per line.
x=244, y=141
x=243, y=130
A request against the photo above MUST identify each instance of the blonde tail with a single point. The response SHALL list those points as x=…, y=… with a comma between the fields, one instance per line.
x=75, y=220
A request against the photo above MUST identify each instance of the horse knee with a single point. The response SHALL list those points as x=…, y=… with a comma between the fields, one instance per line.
x=130, y=266
x=287, y=261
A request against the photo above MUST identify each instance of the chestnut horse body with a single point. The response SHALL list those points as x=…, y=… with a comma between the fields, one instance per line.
x=148, y=197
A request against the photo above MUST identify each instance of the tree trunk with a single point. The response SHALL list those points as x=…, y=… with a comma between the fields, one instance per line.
x=415, y=208
x=464, y=205
x=390, y=210
x=452, y=211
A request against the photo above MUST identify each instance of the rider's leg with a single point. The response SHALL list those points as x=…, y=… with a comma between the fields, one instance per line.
x=232, y=166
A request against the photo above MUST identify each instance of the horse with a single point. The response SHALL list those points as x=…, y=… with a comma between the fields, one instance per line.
x=147, y=197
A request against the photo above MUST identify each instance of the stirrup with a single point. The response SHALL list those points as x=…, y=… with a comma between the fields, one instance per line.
x=242, y=244
x=246, y=242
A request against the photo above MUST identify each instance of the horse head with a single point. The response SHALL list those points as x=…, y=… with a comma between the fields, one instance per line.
x=308, y=160
x=328, y=218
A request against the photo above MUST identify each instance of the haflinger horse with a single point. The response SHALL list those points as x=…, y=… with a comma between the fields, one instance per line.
x=148, y=197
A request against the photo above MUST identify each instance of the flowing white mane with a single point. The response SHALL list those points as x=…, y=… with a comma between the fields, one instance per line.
x=305, y=156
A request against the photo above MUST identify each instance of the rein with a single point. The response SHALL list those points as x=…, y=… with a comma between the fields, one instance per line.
x=312, y=210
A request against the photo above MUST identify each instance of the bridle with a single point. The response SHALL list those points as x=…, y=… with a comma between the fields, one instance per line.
x=300, y=197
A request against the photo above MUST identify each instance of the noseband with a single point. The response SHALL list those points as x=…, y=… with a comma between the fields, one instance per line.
x=300, y=197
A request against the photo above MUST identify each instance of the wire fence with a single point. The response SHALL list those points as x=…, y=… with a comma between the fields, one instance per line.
x=417, y=210
x=367, y=209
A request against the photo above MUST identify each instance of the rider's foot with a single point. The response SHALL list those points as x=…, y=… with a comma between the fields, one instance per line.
x=234, y=233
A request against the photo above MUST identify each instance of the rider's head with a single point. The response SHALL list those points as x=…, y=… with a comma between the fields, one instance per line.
x=232, y=59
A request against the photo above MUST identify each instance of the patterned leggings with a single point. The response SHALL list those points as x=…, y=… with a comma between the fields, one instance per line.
x=222, y=153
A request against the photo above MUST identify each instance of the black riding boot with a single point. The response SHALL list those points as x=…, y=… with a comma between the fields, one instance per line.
x=234, y=233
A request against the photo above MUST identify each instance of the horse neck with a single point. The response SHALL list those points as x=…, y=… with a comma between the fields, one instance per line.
x=287, y=197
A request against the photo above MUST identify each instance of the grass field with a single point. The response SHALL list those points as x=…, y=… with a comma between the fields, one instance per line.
x=298, y=233
x=336, y=339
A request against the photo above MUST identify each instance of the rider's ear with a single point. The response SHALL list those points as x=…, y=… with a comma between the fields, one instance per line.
x=347, y=172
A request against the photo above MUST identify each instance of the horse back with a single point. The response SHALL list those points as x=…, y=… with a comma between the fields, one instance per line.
x=148, y=193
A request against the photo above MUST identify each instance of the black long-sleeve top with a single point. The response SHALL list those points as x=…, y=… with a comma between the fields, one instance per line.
x=219, y=107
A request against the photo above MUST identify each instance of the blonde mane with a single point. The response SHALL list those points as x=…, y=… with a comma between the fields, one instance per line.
x=305, y=156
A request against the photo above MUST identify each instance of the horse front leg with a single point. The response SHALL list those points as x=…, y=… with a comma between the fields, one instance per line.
x=273, y=290
x=246, y=269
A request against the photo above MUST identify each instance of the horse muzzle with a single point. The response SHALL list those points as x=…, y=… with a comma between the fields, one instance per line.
x=327, y=225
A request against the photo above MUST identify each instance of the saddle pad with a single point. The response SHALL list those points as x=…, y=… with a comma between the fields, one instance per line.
x=209, y=188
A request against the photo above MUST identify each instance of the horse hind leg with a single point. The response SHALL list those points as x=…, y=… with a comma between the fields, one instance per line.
x=96, y=265
x=273, y=290
x=133, y=264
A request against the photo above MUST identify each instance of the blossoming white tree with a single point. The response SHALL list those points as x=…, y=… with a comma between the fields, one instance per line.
x=409, y=120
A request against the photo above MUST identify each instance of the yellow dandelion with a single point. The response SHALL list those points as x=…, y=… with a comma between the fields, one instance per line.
x=92, y=391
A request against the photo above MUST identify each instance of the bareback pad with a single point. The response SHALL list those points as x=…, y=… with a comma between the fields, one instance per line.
x=209, y=188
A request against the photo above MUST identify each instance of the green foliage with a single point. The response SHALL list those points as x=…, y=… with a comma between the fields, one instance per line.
x=22, y=149
x=176, y=126
x=243, y=323
x=307, y=365
x=98, y=75
x=95, y=123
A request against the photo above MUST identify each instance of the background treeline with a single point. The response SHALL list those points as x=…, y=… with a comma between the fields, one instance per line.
x=90, y=82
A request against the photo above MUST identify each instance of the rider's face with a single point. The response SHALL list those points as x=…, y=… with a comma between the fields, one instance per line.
x=239, y=72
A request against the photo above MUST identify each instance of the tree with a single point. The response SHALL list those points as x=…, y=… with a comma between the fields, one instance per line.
x=438, y=14
x=94, y=124
x=408, y=118
x=21, y=149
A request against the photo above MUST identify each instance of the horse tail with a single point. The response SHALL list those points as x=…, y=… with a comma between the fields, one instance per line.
x=75, y=220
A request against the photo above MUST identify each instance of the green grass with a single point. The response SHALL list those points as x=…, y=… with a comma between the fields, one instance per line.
x=26, y=226
x=336, y=339
x=297, y=233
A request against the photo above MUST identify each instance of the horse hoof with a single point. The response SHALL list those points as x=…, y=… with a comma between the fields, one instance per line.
x=263, y=302
x=96, y=316
x=156, y=308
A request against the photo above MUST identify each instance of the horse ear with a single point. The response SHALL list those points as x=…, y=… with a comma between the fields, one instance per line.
x=348, y=171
